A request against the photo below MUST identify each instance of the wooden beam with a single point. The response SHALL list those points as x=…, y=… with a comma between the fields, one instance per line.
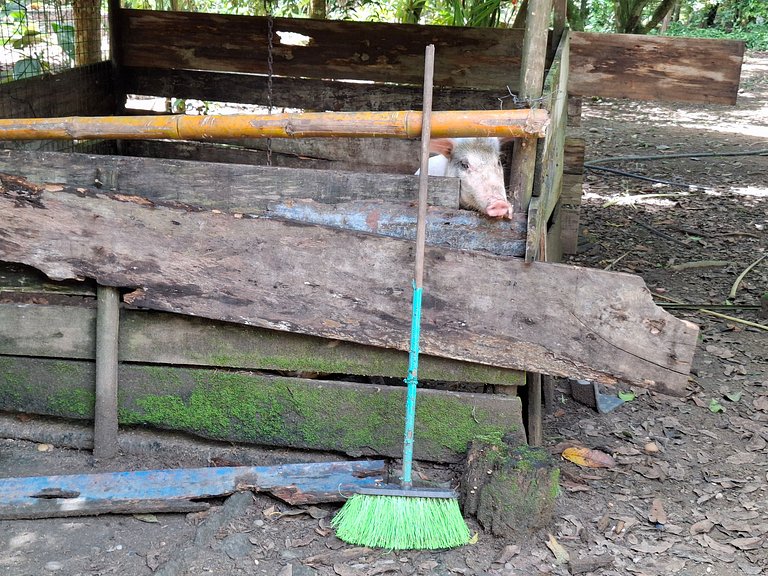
x=555, y=319
x=231, y=187
x=144, y=491
x=251, y=407
x=476, y=58
x=303, y=93
x=696, y=70
x=67, y=332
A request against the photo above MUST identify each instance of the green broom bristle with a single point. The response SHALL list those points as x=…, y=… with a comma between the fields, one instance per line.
x=401, y=522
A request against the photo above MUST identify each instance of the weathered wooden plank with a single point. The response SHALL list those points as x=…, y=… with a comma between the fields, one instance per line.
x=373, y=155
x=81, y=91
x=357, y=419
x=663, y=68
x=230, y=187
x=573, y=161
x=468, y=57
x=556, y=319
x=54, y=331
x=457, y=229
x=157, y=490
x=305, y=93
x=549, y=174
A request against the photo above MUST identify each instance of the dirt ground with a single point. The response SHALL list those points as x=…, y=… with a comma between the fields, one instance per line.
x=703, y=459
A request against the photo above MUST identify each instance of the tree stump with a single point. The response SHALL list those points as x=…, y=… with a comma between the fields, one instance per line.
x=509, y=488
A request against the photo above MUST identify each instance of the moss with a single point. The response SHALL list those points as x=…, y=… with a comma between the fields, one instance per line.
x=451, y=423
x=77, y=403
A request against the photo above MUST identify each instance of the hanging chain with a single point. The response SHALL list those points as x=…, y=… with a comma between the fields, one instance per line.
x=270, y=70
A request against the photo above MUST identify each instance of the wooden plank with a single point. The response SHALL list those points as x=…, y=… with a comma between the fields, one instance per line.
x=81, y=91
x=304, y=93
x=353, y=286
x=238, y=406
x=549, y=174
x=56, y=331
x=158, y=490
x=457, y=229
x=532, y=65
x=231, y=187
x=573, y=159
x=467, y=57
x=696, y=70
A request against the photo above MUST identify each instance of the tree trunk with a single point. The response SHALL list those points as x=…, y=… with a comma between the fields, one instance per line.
x=87, y=31
x=662, y=12
x=318, y=9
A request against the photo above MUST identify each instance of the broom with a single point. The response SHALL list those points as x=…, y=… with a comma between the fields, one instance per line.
x=403, y=517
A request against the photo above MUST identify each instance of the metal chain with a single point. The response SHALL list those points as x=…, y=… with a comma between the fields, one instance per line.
x=270, y=70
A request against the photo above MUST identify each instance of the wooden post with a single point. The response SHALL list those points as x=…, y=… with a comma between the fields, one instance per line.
x=559, y=21
x=105, y=414
x=531, y=81
x=524, y=163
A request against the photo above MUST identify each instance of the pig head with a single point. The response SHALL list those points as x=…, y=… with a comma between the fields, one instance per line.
x=477, y=163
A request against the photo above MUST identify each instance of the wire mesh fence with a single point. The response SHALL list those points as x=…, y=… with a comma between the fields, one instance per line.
x=53, y=62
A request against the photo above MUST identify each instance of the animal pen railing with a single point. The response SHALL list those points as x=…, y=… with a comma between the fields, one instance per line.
x=179, y=236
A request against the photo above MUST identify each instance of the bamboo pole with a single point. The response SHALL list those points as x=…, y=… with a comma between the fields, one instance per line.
x=402, y=124
x=105, y=414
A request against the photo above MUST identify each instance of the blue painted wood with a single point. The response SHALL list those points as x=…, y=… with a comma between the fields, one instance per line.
x=459, y=229
x=79, y=493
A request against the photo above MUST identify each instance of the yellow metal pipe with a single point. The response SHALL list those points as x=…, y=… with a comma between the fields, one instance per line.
x=404, y=124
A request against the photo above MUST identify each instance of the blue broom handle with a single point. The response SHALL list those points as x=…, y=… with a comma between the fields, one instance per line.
x=411, y=380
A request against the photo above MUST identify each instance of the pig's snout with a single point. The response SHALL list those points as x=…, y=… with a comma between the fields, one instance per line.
x=499, y=209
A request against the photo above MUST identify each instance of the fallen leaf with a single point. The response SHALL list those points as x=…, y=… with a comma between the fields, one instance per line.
x=747, y=543
x=509, y=552
x=475, y=538
x=720, y=352
x=148, y=518
x=626, y=396
x=710, y=542
x=657, y=515
x=44, y=447
x=760, y=403
x=561, y=554
x=702, y=527
x=733, y=396
x=646, y=547
x=715, y=406
x=589, y=458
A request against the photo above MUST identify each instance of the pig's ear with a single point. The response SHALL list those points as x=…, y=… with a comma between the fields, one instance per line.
x=442, y=146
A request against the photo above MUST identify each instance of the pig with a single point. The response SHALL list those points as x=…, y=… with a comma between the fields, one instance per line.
x=477, y=163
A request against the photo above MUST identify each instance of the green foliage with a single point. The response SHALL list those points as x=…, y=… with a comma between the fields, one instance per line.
x=754, y=35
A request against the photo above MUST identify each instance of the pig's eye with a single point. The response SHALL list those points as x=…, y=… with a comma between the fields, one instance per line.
x=464, y=165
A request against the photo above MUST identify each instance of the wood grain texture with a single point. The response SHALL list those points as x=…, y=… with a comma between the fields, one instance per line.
x=467, y=57
x=148, y=337
x=282, y=275
x=257, y=408
x=306, y=93
x=230, y=187
x=662, y=68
